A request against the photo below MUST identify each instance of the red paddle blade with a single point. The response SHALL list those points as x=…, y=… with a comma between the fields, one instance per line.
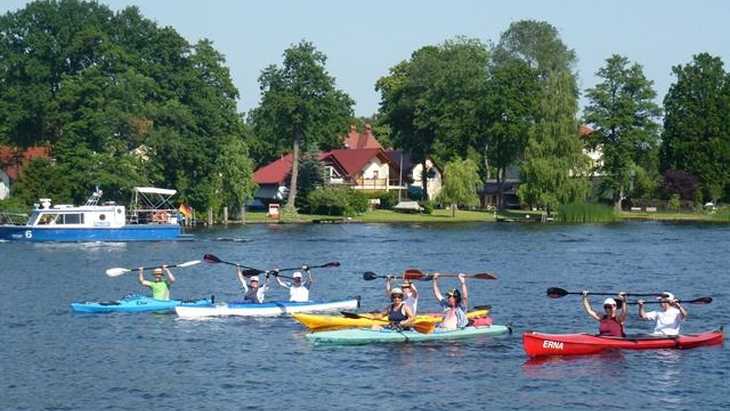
x=413, y=274
x=211, y=259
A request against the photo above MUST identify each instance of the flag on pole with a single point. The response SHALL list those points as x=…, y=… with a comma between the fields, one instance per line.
x=186, y=210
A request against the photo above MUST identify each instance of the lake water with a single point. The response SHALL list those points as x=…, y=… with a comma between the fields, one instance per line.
x=53, y=359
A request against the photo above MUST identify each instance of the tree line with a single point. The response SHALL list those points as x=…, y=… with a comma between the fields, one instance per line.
x=124, y=102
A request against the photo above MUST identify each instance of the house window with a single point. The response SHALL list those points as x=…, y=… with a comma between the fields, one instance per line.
x=375, y=174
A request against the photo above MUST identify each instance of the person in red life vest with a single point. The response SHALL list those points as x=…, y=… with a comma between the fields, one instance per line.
x=611, y=324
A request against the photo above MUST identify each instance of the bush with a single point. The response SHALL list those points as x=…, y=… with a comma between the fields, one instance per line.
x=427, y=206
x=388, y=199
x=415, y=193
x=673, y=203
x=337, y=201
x=681, y=183
x=579, y=212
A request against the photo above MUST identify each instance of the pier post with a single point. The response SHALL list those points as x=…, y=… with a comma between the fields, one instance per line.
x=225, y=215
x=210, y=217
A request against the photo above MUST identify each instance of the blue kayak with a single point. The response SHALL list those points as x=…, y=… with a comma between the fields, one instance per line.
x=138, y=304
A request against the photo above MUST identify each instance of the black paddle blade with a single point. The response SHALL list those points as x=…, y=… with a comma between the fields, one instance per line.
x=484, y=276
x=347, y=314
x=251, y=272
x=331, y=264
x=369, y=275
x=701, y=300
x=555, y=292
x=211, y=259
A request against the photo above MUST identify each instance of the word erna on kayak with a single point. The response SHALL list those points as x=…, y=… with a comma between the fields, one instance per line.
x=400, y=321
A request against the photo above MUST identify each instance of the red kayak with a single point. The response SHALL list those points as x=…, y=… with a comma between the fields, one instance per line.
x=539, y=344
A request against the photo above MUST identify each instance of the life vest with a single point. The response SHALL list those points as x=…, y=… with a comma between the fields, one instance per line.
x=610, y=327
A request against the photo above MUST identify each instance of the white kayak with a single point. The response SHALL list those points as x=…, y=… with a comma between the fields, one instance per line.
x=268, y=309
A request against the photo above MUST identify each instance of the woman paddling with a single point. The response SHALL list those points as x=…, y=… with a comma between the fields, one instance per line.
x=611, y=323
x=669, y=318
x=398, y=313
x=454, y=304
x=298, y=288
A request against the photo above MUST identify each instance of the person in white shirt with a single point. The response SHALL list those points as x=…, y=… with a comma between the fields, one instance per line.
x=409, y=291
x=298, y=288
x=668, y=319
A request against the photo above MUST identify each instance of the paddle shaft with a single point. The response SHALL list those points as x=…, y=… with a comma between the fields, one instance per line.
x=614, y=294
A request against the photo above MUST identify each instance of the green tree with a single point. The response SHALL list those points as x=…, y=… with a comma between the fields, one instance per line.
x=461, y=182
x=438, y=92
x=300, y=105
x=311, y=176
x=235, y=170
x=623, y=111
x=696, y=135
x=553, y=163
x=513, y=90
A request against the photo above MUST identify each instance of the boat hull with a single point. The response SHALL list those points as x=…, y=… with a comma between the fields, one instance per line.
x=270, y=309
x=538, y=344
x=136, y=304
x=316, y=322
x=134, y=232
x=367, y=336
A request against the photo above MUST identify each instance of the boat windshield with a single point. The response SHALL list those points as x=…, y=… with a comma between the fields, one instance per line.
x=47, y=218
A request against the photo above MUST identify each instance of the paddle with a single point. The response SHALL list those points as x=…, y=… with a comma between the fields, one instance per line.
x=212, y=259
x=700, y=300
x=369, y=276
x=117, y=271
x=415, y=274
x=423, y=327
x=555, y=292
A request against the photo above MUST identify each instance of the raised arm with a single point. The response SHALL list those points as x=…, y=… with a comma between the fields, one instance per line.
x=642, y=313
x=587, y=306
x=436, y=290
x=681, y=309
x=275, y=273
x=310, y=279
x=415, y=291
x=464, y=290
x=241, y=278
x=388, y=285
x=170, y=277
x=624, y=308
x=140, y=277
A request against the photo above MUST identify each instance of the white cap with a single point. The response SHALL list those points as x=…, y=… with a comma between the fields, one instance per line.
x=254, y=278
x=396, y=290
x=157, y=271
x=667, y=296
x=609, y=301
x=296, y=274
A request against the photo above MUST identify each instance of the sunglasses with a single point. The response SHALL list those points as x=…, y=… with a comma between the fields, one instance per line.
x=394, y=296
x=608, y=306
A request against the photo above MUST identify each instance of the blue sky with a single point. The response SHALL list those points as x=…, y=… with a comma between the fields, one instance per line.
x=363, y=39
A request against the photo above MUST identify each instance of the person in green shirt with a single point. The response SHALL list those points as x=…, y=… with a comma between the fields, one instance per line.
x=160, y=286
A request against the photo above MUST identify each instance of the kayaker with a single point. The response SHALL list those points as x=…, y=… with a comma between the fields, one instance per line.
x=409, y=291
x=253, y=292
x=160, y=286
x=669, y=318
x=298, y=288
x=454, y=304
x=612, y=322
x=398, y=313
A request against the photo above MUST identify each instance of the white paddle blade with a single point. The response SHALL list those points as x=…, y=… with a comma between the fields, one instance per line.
x=116, y=272
x=189, y=263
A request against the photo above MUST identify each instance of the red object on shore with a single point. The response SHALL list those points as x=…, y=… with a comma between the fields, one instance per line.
x=538, y=344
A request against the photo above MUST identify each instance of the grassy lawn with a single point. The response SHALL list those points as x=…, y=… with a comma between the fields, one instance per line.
x=384, y=216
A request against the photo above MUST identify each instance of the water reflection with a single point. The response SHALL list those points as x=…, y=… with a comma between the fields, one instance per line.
x=609, y=364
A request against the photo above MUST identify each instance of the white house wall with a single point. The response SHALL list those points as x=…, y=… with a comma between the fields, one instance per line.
x=375, y=165
x=4, y=185
x=434, y=183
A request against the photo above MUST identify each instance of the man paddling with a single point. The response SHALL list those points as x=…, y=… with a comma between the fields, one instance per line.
x=410, y=292
x=611, y=323
x=298, y=288
x=669, y=318
x=160, y=286
x=253, y=292
x=454, y=304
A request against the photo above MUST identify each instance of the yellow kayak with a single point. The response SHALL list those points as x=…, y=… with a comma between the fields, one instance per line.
x=319, y=322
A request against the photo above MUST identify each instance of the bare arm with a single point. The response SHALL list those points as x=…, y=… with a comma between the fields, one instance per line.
x=388, y=286
x=241, y=279
x=587, y=307
x=436, y=290
x=140, y=278
x=278, y=280
x=410, y=318
x=310, y=279
x=642, y=313
x=621, y=317
x=170, y=277
x=415, y=291
x=464, y=290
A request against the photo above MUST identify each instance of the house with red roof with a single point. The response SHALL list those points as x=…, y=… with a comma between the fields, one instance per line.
x=362, y=164
x=12, y=161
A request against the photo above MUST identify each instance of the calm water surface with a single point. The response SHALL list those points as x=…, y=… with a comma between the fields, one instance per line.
x=55, y=360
